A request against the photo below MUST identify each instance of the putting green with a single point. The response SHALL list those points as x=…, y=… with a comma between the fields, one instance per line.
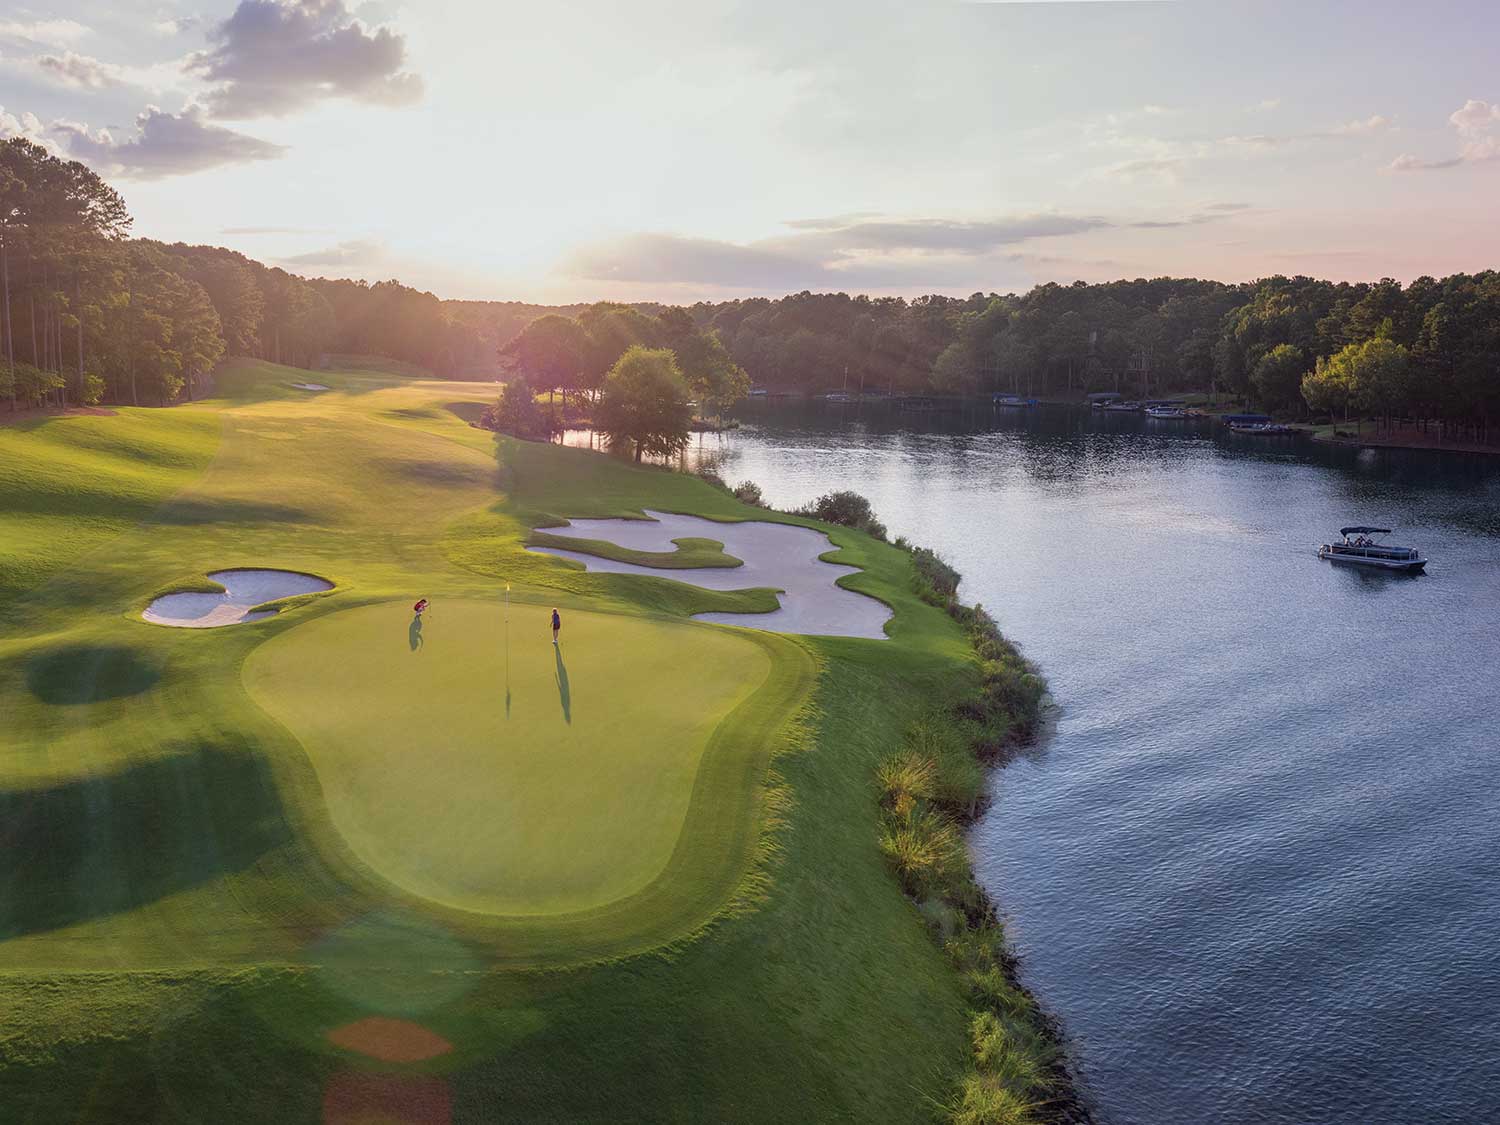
x=506, y=778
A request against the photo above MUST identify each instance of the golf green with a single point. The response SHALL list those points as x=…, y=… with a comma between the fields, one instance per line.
x=468, y=761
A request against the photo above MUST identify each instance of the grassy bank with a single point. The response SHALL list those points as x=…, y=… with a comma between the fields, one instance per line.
x=205, y=914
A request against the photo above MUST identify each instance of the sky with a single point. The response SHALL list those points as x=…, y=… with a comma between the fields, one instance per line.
x=558, y=151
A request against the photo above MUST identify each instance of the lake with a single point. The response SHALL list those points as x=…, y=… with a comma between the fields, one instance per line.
x=1254, y=867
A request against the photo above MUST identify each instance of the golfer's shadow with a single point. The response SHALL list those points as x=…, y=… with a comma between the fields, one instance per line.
x=563, y=693
x=414, y=633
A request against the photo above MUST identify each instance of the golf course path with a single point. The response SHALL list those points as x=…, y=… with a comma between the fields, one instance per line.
x=777, y=556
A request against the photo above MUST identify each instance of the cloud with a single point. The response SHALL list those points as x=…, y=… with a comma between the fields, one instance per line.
x=1362, y=127
x=1257, y=140
x=1377, y=123
x=273, y=230
x=831, y=222
x=1265, y=105
x=26, y=125
x=43, y=33
x=175, y=25
x=1169, y=160
x=271, y=57
x=166, y=144
x=73, y=69
x=837, y=251
x=1213, y=213
x=1475, y=115
x=1478, y=125
x=674, y=258
x=356, y=252
x=1165, y=167
x=947, y=236
x=1406, y=162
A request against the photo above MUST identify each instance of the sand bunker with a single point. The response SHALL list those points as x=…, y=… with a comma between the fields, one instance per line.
x=311, y=386
x=242, y=590
x=777, y=555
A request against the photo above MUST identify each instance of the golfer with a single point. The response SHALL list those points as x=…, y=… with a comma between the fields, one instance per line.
x=556, y=625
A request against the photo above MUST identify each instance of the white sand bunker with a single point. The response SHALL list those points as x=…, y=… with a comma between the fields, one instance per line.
x=777, y=555
x=243, y=589
x=311, y=386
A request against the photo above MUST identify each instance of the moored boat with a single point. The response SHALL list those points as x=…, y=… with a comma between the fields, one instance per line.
x=1123, y=407
x=1270, y=429
x=1014, y=401
x=1165, y=412
x=1359, y=548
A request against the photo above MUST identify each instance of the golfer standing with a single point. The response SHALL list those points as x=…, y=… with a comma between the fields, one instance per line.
x=556, y=625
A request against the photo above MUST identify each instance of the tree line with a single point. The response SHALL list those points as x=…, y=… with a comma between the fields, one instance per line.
x=1293, y=345
x=88, y=314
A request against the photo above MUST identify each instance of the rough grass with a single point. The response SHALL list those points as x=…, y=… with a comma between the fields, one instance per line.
x=180, y=928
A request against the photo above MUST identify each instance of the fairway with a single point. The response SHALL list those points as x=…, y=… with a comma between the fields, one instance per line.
x=633, y=879
x=476, y=765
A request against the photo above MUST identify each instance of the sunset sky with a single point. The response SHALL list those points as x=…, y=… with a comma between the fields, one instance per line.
x=562, y=151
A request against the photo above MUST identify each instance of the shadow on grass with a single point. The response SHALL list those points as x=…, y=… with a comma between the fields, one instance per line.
x=194, y=512
x=211, y=1057
x=98, y=846
x=435, y=472
x=90, y=673
x=564, y=692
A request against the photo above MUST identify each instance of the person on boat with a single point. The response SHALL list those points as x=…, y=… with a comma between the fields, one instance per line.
x=420, y=607
x=556, y=625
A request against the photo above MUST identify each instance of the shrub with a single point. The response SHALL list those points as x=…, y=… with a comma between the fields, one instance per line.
x=516, y=412
x=748, y=492
x=847, y=508
x=32, y=385
x=937, y=581
x=713, y=478
x=93, y=389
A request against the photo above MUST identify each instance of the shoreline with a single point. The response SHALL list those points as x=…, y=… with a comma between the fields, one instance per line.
x=1467, y=448
x=1020, y=1049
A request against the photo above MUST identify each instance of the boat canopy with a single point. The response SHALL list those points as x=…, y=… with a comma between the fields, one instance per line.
x=1364, y=531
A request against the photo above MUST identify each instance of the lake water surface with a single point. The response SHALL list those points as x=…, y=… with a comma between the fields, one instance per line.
x=1255, y=866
